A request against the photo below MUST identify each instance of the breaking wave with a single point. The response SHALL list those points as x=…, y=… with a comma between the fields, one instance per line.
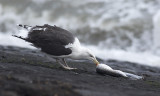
x=125, y=30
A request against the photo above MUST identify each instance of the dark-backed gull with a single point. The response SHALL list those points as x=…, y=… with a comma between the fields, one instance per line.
x=58, y=43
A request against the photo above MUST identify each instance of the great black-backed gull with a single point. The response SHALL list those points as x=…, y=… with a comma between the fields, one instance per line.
x=58, y=43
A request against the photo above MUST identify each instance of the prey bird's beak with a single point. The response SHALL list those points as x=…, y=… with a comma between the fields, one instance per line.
x=95, y=61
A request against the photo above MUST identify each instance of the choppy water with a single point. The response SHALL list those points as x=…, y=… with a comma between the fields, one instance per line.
x=126, y=30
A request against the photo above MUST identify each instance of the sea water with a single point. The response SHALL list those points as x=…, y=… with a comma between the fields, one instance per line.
x=125, y=30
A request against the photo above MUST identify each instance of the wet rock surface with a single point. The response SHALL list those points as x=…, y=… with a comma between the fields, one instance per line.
x=26, y=72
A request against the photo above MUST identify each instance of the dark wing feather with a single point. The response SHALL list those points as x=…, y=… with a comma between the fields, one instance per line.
x=55, y=49
x=51, y=39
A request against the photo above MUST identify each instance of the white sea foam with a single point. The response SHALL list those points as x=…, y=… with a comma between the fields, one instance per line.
x=144, y=58
x=122, y=32
x=156, y=30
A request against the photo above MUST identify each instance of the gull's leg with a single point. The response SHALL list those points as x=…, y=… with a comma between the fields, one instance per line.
x=59, y=62
x=64, y=61
x=65, y=67
x=50, y=58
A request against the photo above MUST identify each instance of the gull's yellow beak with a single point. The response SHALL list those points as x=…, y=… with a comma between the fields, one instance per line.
x=95, y=61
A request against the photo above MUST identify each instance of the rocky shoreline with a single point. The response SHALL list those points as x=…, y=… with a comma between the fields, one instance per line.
x=26, y=72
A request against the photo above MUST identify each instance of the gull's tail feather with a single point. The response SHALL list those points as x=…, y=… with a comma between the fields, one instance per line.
x=27, y=27
x=21, y=37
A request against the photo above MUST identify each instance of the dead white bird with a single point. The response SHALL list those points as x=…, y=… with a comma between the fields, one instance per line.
x=106, y=70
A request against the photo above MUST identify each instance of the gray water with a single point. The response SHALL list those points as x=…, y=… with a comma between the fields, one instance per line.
x=113, y=29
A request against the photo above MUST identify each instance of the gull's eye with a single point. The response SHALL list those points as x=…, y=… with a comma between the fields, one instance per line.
x=90, y=55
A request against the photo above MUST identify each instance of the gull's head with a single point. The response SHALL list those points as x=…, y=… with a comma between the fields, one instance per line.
x=88, y=54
